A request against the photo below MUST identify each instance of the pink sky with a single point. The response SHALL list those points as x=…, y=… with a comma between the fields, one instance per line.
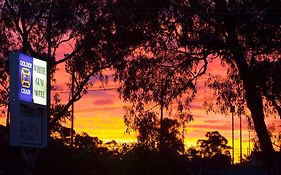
x=100, y=113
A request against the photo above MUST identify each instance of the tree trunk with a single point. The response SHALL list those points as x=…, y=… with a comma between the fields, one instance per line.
x=253, y=97
x=255, y=105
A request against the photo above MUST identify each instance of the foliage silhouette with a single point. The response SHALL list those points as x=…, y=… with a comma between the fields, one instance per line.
x=210, y=153
x=95, y=33
x=243, y=35
x=148, y=128
x=213, y=145
x=245, y=42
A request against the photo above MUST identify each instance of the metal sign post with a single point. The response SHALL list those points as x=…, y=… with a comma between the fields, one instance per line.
x=232, y=110
x=30, y=156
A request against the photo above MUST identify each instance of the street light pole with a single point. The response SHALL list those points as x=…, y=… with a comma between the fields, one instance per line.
x=249, y=141
x=249, y=130
x=240, y=138
x=232, y=110
x=72, y=108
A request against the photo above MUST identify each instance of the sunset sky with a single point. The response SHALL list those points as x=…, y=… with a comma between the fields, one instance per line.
x=100, y=113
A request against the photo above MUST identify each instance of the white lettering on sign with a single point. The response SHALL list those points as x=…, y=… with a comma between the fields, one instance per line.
x=25, y=91
x=39, y=81
x=25, y=64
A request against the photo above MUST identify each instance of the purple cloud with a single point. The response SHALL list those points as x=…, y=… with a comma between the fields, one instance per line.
x=103, y=102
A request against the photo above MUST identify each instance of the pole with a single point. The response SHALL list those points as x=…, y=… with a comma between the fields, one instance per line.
x=8, y=118
x=240, y=138
x=232, y=109
x=30, y=156
x=249, y=130
x=161, y=114
x=183, y=131
x=72, y=108
x=161, y=123
x=249, y=141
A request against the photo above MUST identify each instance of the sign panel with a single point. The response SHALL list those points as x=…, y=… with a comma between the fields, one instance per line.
x=30, y=125
x=25, y=77
x=39, y=81
x=28, y=100
x=32, y=80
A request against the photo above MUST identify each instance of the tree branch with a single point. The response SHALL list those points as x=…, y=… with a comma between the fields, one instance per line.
x=273, y=101
x=77, y=94
x=59, y=43
x=37, y=19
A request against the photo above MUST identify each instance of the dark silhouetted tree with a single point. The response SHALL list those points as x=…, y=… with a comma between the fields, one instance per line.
x=147, y=126
x=172, y=140
x=210, y=153
x=244, y=35
x=213, y=145
x=159, y=75
x=86, y=142
x=99, y=35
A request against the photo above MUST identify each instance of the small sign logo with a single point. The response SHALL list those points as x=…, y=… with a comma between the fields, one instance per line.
x=25, y=77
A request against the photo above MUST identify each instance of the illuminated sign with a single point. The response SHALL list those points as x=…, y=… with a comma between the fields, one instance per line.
x=39, y=81
x=25, y=77
x=32, y=78
x=28, y=101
